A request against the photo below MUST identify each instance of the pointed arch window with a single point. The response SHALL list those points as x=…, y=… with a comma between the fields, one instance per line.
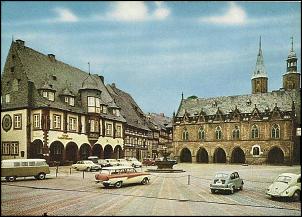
x=275, y=131
x=255, y=131
x=185, y=135
x=201, y=134
x=218, y=133
x=236, y=133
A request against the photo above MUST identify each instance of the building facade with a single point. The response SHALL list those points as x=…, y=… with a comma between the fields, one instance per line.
x=257, y=128
x=52, y=110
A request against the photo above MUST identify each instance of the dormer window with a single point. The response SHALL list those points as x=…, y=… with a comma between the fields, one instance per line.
x=69, y=100
x=104, y=109
x=48, y=95
x=93, y=104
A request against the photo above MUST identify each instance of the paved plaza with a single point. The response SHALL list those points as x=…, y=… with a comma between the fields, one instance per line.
x=171, y=194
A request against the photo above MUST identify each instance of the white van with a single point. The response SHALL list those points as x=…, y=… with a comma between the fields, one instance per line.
x=13, y=168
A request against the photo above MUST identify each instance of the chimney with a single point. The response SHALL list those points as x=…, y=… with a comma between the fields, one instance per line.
x=113, y=85
x=162, y=114
x=52, y=57
x=20, y=43
x=102, y=78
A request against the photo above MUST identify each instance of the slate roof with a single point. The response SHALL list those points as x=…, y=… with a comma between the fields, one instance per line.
x=40, y=68
x=226, y=104
x=160, y=120
x=129, y=109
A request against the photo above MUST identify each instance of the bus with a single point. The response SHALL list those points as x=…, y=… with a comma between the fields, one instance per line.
x=13, y=168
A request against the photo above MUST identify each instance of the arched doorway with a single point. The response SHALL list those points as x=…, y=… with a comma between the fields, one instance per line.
x=108, y=152
x=202, y=156
x=118, y=152
x=36, y=149
x=97, y=150
x=219, y=156
x=56, y=152
x=275, y=156
x=85, y=151
x=71, y=153
x=238, y=155
x=185, y=155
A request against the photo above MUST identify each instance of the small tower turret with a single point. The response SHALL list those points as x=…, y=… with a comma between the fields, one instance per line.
x=259, y=77
x=291, y=79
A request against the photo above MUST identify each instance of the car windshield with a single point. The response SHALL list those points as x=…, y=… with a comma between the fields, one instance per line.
x=221, y=175
x=285, y=179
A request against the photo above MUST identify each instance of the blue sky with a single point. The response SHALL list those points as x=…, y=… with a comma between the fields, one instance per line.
x=157, y=50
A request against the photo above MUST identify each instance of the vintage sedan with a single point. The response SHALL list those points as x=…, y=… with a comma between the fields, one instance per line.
x=112, y=162
x=134, y=162
x=123, y=162
x=286, y=185
x=226, y=181
x=86, y=165
x=121, y=175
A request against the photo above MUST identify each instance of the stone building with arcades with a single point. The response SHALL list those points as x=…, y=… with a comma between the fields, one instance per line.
x=259, y=128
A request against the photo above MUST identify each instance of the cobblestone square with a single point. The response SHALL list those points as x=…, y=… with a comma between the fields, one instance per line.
x=174, y=194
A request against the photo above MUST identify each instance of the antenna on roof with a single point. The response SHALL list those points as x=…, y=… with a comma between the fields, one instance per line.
x=12, y=38
x=292, y=38
x=89, y=67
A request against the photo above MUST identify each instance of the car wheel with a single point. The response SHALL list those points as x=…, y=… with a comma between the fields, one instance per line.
x=10, y=178
x=88, y=169
x=106, y=185
x=296, y=196
x=241, y=188
x=232, y=190
x=41, y=176
x=145, y=181
x=212, y=191
x=118, y=184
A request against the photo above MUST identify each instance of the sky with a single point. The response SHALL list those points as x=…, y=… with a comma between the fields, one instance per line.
x=156, y=51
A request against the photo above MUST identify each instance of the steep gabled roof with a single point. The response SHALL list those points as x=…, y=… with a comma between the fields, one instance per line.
x=129, y=109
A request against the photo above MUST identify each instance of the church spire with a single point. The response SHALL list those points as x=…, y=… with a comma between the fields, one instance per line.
x=260, y=71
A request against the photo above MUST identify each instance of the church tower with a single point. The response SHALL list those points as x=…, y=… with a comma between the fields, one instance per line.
x=259, y=77
x=291, y=79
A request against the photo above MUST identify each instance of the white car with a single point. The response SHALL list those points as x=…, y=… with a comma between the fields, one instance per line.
x=121, y=175
x=286, y=185
x=112, y=162
x=124, y=162
x=86, y=165
x=134, y=162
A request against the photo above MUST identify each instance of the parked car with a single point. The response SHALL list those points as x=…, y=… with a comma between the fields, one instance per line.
x=123, y=162
x=86, y=165
x=103, y=163
x=134, y=162
x=286, y=185
x=112, y=162
x=13, y=168
x=226, y=181
x=94, y=159
x=121, y=175
x=148, y=161
x=168, y=159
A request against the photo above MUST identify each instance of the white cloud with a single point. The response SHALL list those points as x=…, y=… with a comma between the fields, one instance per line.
x=235, y=15
x=65, y=15
x=137, y=11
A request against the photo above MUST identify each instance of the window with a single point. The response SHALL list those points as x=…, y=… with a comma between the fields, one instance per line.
x=93, y=104
x=275, y=131
x=57, y=121
x=218, y=133
x=104, y=109
x=66, y=99
x=108, y=129
x=255, y=132
x=118, y=132
x=57, y=149
x=17, y=121
x=71, y=101
x=24, y=164
x=236, y=133
x=94, y=126
x=72, y=124
x=185, y=135
x=37, y=122
x=201, y=134
x=17, y=164
x=7, y=98
x=14, y=149
x=31, y=163
x=45, y=95
x=51, y=96
x=256, y=150
x=12, y=69
x=5, y=149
